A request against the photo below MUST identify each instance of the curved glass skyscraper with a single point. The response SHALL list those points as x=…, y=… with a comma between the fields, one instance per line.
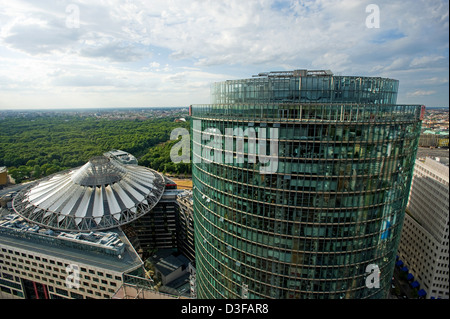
x=301, y=180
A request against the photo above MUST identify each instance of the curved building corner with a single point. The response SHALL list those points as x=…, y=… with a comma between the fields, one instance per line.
x=330, y=215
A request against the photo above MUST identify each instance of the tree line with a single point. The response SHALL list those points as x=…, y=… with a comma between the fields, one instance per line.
x=34, y=148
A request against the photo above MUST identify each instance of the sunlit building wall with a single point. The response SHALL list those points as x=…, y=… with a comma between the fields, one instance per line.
x=424, y=245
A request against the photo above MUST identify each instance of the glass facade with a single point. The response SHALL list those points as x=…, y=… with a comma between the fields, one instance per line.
x=331, y=211
x=306, y=86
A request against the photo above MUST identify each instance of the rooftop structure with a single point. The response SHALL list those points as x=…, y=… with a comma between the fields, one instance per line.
x=129, y=291
x=311, y=86
x=36, y=263
x=3, y=176
x=102, y=194
x=295, y=73
x=106, y=242
x=121, y=156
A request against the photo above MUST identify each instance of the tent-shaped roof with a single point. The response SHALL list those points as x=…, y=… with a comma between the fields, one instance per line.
x=101, y=194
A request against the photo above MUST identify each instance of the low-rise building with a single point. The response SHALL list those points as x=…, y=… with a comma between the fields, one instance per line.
x=121, y=156
x=39, y=263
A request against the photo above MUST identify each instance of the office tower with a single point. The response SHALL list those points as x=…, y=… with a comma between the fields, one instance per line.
x=300, y=182
x=156, y=229
x=185, y=224
x=424, y=242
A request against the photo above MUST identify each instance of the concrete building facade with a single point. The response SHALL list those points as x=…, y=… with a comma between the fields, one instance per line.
x=424, y=245
x=37, y=264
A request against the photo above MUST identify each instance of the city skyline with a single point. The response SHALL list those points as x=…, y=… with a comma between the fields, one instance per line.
x=74, y=54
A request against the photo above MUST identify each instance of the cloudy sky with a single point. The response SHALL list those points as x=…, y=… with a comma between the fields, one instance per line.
x=144, y=53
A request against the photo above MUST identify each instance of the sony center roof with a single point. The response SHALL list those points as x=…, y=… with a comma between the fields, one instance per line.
x=102, y=194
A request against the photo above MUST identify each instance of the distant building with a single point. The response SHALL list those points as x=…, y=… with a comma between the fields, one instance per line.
x=121, y=156
x=3, y=176
x=424, y=244
x=428, y=140
x=443, y=141
x=431, y=138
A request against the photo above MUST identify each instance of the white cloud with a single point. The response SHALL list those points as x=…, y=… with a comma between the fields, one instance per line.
x=435, y=81
x=421, y=93
x=141, y=46
x=424, y=61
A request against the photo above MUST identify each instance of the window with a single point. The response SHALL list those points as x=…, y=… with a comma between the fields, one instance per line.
x=62, y=292
x=76, y=296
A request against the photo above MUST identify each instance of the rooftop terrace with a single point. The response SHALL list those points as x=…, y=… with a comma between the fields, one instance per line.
x=107, y=242
x=295, y=73
x=109, y=250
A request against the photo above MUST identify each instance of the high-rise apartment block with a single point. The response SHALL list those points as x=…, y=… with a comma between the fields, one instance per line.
x=300, y=183
x=424, y=245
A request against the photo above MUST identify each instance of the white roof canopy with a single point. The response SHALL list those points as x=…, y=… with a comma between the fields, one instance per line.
x=101, y=194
